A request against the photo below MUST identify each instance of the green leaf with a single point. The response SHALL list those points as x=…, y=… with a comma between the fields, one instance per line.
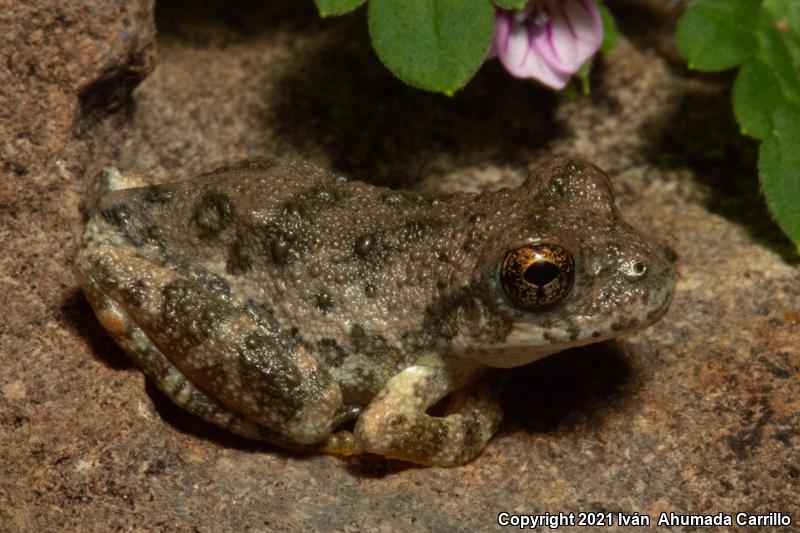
x=718, y=34
x=786, y=14
x=329, y=8
x=609, y=30
x=779, y=165
x=756, y=94
x=763, y=36
x=511, y=4
x=777, y=50
x=436, y=45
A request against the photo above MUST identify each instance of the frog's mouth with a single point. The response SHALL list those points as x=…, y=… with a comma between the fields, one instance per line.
x=528, y=341
x=519, y=349
x=512, y=354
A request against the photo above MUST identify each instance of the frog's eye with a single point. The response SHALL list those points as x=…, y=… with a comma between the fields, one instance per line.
x=537, y=275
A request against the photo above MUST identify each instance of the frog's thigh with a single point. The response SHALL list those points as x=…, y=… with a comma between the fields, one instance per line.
x=170, y=381
x=396, y=425
x=212, y=349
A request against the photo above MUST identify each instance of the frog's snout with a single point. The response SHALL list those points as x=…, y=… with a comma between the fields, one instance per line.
x=648, y=270
x=657, y=262
x=662, y=276
x=634, y=268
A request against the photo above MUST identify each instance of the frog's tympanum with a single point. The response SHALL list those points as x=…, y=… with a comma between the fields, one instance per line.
x=291, y=305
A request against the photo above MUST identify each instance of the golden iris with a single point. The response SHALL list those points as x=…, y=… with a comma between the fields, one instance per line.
x=537, y=275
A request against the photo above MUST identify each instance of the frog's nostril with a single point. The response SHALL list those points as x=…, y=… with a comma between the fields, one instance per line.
x=634, y=268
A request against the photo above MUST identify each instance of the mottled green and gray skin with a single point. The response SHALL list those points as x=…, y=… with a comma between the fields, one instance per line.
x=280, y=301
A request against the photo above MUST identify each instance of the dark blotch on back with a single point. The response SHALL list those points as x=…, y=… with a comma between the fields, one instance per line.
x=118, y=215
x=279, y=249
x=189, y=315
x=329, y=351
x=473, y=241
x=217, y=285
x=325, y=302
x=157, y=194
x=154, y=235
x=287, y=237
x=424, y=437
x=417, y=230
x=365, y=244
x=472, y=435
x=552, y=339
x=240, y=258
x=370, y=290
x=213, y=214
x=135, y=293
x=265, y=361
x=374, y=345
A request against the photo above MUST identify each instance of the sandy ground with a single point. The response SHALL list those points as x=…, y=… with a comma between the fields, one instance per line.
x=698, y=414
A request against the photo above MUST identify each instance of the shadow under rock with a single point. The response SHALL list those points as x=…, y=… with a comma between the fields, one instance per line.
x=339, y=99
x=222, y=21
x=78, y=315
x=543, y=395
x=703, y=135
x=650, y=25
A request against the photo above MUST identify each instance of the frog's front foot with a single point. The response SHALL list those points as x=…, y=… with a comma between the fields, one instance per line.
x=396, y=425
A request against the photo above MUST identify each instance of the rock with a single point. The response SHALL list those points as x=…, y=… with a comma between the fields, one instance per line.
x=64, y=59
x=697, y=414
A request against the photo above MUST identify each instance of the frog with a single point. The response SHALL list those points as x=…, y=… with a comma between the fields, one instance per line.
x=292, y=305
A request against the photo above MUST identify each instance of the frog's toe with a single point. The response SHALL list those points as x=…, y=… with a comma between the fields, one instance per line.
x=341, y=443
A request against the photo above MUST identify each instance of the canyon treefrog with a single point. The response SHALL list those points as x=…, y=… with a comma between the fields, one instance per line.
x=291, y=305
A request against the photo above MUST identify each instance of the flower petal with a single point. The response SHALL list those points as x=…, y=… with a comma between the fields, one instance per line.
x=502, y=26
x=572, y=34
x=514, y=38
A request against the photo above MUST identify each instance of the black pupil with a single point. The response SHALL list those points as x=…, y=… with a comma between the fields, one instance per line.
x=540, y=273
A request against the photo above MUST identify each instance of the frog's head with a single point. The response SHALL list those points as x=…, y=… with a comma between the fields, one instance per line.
x=565, y=272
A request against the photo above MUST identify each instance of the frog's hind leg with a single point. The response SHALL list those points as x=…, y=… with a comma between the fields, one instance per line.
x=208, y=354
x=169, y=380
x=395, y=423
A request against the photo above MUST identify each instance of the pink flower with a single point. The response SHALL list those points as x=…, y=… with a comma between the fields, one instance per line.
x=549, y=40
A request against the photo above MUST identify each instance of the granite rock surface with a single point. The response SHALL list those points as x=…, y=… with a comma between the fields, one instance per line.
x=699, y=414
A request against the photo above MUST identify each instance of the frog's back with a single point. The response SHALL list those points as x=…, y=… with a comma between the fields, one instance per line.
x=345, y=266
